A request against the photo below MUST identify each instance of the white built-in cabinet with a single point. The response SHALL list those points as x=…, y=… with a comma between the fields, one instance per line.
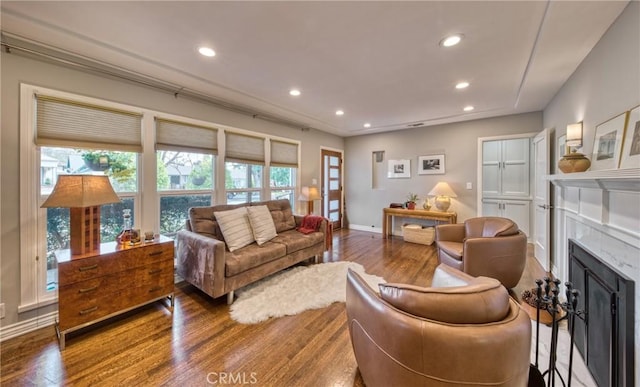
x=506, y=180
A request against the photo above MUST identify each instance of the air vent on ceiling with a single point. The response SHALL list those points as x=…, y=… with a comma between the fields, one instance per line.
x=416, y=124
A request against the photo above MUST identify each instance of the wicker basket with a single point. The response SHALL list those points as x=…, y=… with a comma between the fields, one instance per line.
x=415, y=233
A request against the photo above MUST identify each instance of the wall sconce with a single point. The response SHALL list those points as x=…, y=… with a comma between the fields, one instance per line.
x=443, y=192
x=574, y=161
x=83, y=195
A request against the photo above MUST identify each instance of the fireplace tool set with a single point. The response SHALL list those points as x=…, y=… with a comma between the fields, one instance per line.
x=549, y=301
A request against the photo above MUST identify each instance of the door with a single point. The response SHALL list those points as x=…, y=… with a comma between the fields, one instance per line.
x=542, y=208
x=332, y=187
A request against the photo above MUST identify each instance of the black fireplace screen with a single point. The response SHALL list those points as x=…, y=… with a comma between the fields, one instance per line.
x=605, y=337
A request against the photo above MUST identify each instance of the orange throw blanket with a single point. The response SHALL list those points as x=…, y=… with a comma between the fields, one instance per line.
x=312, y=223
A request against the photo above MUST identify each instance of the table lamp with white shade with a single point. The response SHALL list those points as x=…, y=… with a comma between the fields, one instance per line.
x=309, y=194
x=442, y=192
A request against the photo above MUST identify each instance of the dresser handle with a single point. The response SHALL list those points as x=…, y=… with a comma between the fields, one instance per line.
x=155, y=289
x=87, y=290
x=85, y=268
x=155, y=253
x=87, y=311
x=155, y=271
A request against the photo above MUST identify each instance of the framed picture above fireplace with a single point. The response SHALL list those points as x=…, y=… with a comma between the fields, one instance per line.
x=608, y=143
x=630, y=157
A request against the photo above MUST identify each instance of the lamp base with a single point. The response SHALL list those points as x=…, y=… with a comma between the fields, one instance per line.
x=442, y=203
x=574, y=162
x=85, y=230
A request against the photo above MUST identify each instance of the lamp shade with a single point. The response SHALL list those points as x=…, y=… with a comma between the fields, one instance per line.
x=574, y=134
x=78, y=191
x=442, y=189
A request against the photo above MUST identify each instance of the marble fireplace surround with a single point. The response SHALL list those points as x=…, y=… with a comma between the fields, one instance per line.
x=600, y=210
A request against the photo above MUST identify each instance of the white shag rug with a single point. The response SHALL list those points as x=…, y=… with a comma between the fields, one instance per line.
x=295, y=290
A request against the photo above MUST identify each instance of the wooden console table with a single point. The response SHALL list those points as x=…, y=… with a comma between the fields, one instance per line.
x=94, y=287
x=389, y=213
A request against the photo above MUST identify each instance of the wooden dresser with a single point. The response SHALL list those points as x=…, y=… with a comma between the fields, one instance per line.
x=120, y=278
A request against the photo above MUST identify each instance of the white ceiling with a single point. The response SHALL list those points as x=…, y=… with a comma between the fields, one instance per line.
x=378, y=61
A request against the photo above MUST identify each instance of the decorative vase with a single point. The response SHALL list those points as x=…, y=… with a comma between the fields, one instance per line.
x=426, y=205
x=574, y=162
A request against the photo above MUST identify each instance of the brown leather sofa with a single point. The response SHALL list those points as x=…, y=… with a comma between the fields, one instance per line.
x=468, y=334
x=485, y=246
x=204, y=260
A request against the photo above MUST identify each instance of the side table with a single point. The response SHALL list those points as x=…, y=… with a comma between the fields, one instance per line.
x=389, y=213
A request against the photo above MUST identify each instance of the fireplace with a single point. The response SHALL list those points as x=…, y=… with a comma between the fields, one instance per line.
x=605, y=337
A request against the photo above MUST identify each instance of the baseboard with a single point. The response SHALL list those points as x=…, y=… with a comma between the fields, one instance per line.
x=358, y=227
x=22, y=327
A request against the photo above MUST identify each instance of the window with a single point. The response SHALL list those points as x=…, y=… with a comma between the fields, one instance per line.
x=65, y=133
x=283, y=171
x=121, y=167
x=243, y=182
x=185, y=170
x=244, y=156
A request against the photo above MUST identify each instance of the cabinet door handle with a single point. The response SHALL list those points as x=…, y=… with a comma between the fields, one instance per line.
x=155, y=253
x=87, y=311
x=155, y=289
x=87, y=290
x=85, y=268
x=155, y=271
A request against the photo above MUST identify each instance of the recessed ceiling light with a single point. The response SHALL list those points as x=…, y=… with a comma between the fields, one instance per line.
x=339, y=112
x=468, y=108
x=367, y=125
x=451, y=40
x=462, y=85
x=294, y=92
x=206, y=51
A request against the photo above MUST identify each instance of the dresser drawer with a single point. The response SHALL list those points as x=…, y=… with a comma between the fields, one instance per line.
x=77, y=270
x=101, y=305
x=79, y=292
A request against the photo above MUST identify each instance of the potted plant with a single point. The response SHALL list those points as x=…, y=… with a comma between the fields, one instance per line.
x=411, y=200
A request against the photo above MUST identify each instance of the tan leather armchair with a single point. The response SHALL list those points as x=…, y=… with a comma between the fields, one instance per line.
x=471, y=333
x=486, y=246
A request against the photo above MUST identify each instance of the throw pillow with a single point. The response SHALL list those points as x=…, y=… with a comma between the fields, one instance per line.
x=262, y=224
x=235, y=227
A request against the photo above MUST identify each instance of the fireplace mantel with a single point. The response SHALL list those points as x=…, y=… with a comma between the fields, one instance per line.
x=601, y=211
x=626, y=180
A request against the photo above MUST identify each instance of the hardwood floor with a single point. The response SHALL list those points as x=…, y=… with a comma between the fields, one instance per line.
x=199, y=344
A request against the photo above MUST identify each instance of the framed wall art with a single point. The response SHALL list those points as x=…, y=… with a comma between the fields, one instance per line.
x=608, y=143
x=431, y=165
x=399, y=169
x=630, y=157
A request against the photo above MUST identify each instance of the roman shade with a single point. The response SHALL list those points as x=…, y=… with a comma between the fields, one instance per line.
x=180, y=136
x=67, y=123
x=284, y=154
x=244, y=148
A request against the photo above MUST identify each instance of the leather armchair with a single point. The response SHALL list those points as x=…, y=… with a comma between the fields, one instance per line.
x=486, y=246
x=471, y=333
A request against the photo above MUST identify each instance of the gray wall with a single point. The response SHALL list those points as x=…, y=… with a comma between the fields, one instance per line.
x=458, y=142
x=605, y=84
x=17, y=69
